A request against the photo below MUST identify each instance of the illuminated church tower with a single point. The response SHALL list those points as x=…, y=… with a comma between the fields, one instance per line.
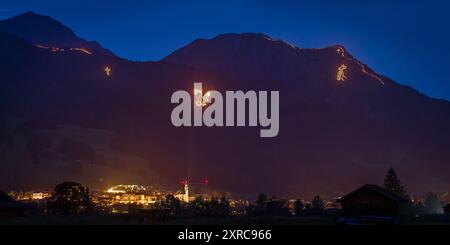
x=186, y=191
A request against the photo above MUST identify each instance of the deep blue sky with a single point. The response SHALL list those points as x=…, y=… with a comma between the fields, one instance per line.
x=405, y=40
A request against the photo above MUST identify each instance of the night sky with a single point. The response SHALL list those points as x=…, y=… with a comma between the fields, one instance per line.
x=405, y=40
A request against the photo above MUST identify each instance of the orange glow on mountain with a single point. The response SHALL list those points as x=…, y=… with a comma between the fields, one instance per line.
x=108, y=71
x=57, y=49
x=341, y=52
x=86, y=51
x=340, y=76
x=53, y=49
x=41, y=46
x=201, y=100
x=370, y=74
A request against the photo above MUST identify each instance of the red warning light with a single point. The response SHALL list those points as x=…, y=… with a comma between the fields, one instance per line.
x=184, y=182
x=205, y=181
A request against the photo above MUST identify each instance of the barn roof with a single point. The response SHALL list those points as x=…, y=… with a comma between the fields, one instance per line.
x=394, y=197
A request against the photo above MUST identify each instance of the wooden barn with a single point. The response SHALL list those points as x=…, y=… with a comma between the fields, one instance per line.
x=373, y=200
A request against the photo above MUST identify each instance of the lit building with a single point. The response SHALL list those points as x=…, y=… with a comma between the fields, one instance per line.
x=126, y=189
x=134, y=199
x=31, y=196
x=40, y=195
x=183, y=196
x=119, y=197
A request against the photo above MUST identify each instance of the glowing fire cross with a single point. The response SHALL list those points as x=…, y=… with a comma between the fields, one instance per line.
x=108, y=71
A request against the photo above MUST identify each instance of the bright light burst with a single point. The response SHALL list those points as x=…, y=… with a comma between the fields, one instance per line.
x=201, y=100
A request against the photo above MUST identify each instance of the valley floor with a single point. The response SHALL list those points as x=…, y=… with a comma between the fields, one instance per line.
x=128, y=220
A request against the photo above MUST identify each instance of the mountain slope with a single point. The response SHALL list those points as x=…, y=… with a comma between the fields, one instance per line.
x=406, y=119
x=312, y=72
x=334, y=135
x=45, y=31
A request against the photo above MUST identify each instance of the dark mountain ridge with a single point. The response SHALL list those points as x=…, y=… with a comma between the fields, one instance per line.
x=334, y=135
x=45, y=31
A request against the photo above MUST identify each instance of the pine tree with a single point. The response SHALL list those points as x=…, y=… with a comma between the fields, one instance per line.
x=393, y=184
x=261, y=200
x=317, y=205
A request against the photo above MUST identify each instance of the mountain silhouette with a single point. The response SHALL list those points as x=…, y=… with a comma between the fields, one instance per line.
x=63, y=118
x=311, y=73
x=45, y=31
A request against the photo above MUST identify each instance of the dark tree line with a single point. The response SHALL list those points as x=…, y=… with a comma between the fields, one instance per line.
x=70, y=198
x=199, y=207
x=431, y=204
x=273, y=206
